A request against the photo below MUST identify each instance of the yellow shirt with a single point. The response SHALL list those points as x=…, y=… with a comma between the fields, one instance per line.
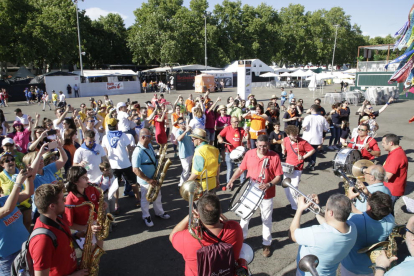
x=206, y=157
x=7, y=186
x=54, y=97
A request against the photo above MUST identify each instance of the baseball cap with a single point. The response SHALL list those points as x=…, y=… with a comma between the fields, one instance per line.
x=119, y=105
x=7, y=140
x=112, y=122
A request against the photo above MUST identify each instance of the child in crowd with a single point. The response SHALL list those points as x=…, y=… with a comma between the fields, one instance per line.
x=345, y=133
x=276, y=140
x=105, y=182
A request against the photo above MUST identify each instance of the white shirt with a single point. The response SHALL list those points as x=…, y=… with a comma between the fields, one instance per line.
x=104, y=182
x=62, y=97
x=58, y=126
x=22, y=119
x=123, y=122
x=313, y=127
x=93, y=160
x=119, y=156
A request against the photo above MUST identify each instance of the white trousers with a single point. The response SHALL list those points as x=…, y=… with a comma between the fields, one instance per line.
x=266, y=211
x=186, y=164
x=145, y=204
x=346, y=272
x=290, y=193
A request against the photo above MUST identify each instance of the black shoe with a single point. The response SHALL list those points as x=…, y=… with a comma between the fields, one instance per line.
x=309, y=166
x=312, y=168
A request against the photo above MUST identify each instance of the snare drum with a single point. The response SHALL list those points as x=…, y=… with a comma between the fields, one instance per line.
x=287, y=168
x=237, y=154
x=245, y=203
x=345, y=159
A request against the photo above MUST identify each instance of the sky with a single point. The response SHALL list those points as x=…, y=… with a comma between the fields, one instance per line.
x=375, y=17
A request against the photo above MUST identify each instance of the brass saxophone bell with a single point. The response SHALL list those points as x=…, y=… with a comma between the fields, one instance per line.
x=191, y=187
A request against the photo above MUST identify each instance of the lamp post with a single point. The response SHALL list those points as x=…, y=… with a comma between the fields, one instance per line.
x=79, y=39
x=333, y=55
x=205, y=38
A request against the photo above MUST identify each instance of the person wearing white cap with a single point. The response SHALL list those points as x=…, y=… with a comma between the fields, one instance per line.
x=9, y=147
x=123, y=119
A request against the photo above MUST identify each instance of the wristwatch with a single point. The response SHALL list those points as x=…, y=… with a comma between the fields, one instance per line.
x=380, y=268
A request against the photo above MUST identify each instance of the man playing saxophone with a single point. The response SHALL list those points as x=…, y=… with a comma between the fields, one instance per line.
x=144, y=165
x=48, y=260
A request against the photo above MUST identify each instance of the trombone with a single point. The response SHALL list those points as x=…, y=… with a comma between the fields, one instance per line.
x=314, y=207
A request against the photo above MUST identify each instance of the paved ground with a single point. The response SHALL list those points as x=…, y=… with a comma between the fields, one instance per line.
x=134, y=249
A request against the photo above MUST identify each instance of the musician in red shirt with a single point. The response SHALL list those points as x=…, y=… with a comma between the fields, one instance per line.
x=365, y=144
x=233, y=135
x=297, y=150
x=395, y=166
x=48, y=259
x=253, y=163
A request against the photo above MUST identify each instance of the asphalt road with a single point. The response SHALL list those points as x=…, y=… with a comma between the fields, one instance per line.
x=134, y=249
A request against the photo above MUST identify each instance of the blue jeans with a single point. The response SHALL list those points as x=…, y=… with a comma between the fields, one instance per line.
x=6, y=264
x=230, y=167
x=335, y=135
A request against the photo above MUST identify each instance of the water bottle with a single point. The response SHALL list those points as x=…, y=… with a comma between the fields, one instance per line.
x=87, y=167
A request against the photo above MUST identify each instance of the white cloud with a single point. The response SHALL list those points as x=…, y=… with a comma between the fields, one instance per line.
x=95, y=13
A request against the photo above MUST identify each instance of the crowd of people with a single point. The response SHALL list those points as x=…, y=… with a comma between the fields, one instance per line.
x=88, y=152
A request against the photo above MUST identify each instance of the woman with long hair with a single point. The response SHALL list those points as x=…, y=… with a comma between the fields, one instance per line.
x=45, y=99
x=21, y=135
x=39, y=137
x=79, y=191
x=70, y=145
x=4, y=123
x=257, y=125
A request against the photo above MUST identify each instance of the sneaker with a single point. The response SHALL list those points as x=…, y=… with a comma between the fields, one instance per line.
x=164, y=216
x=312, y=168
x=148, y=222
x=310, y=164
x=266, y=251
x=336, y=147
x=331, y=147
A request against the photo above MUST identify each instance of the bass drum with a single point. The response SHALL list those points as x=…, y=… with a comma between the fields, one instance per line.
x=345, y=159
x=247, y=199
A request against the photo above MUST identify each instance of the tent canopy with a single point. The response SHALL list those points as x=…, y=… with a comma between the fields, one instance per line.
x=258, y=66
x=269, y=75
x=23, y=73
x=380, y=47
x=105, y=73
x=190, y=67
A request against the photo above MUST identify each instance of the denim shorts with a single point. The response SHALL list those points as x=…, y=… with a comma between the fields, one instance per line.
x=210, y=134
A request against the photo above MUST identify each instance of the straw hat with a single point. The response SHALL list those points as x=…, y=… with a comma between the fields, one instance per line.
x=222, y=106
x=199, y=133
x=251, y=95
x=273, y=97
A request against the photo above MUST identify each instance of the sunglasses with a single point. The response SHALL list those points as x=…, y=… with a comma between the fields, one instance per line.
x=146, y=136
x=408, y=230
x=180, y=123
x=362, y=129
x=9, y=160
x=91, y=121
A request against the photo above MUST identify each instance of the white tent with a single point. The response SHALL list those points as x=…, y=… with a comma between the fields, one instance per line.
x=257, y=68
x=269, y=75
x=286, y=74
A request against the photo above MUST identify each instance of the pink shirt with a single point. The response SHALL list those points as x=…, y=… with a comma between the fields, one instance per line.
x=221, y=121
x=21, y=139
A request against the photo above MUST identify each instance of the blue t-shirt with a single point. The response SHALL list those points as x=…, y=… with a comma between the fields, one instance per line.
x=143, y=159
x=48, y=177
x=283, y=95
x=404, y=268
x=324, y=241
x=370, y=231
x=362, y=206
x=185, y=146
x=12, y=231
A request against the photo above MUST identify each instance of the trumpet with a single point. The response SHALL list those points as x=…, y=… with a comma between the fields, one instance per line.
x=351, y=183
x=314, y=207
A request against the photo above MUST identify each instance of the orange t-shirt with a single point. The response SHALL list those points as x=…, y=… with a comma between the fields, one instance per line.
x=175, y=117
x=257, y=123
x=189, y=104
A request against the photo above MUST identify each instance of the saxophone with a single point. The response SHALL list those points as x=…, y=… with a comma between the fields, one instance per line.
x=389, y=246
x=91, y=254
x=104, y=220
x=159, y=175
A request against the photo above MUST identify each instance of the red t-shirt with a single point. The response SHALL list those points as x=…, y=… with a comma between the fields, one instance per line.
x=253, y=164
x=187, y=246
x=292, y=156
x=397, y=164
x=60, y=260
x=372, y=144
x=233, y=136
x=80, y=215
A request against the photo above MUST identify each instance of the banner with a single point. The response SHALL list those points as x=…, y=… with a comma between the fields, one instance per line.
x=400, y=58
x=114, y=86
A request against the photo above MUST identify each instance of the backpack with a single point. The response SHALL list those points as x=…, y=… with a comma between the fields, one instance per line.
x=215, y=259
x=23, y=260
